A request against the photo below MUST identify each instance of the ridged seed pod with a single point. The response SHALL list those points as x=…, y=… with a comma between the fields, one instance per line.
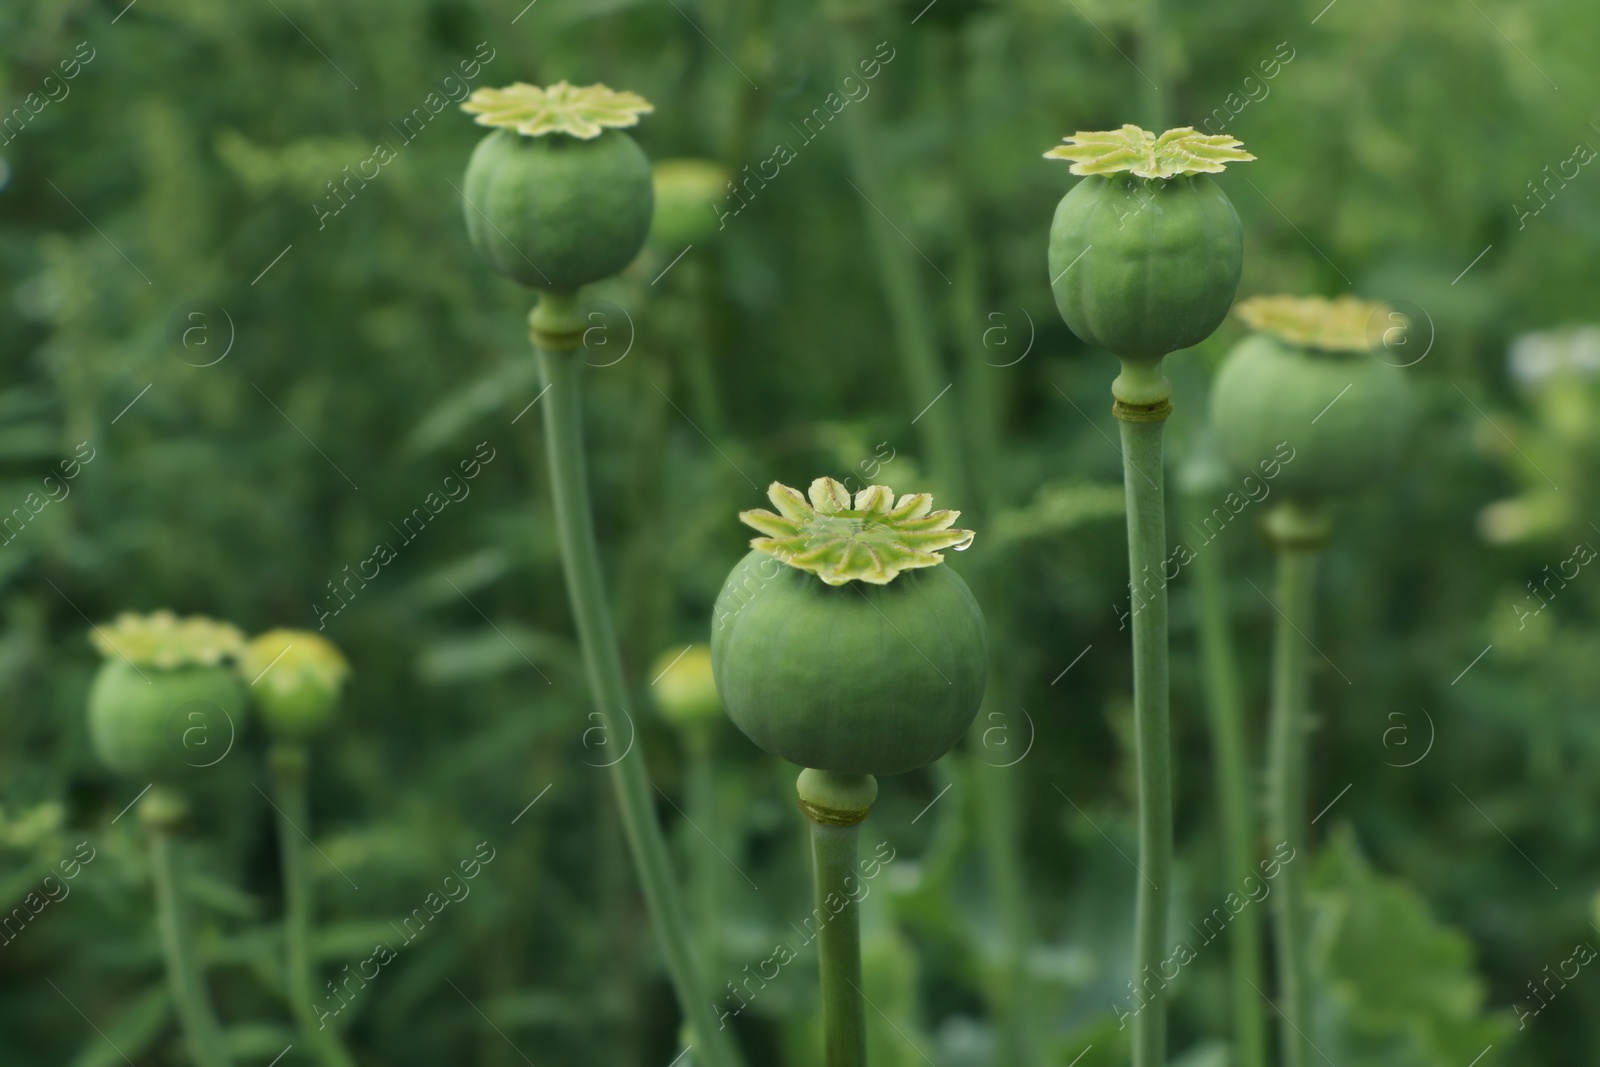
x=841, y=643
x=558, y=196
x=1309, y=378
x=1145, y=252
x=686, y=190
x=684, y=687
x=294, y=678
x=165, y=702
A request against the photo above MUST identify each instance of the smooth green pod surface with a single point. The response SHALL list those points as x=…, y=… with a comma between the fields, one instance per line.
x=1344, y=414
x=294, y=679
x=154, y=722
x=557, y=212
x=854, y=678
x=684, y=688
x=687, y=191
x=1142, y=267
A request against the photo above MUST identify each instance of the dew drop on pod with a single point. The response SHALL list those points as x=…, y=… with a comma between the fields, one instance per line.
x=1308, y=375
x=1146, y=251
x=840, y=643
x=558, y=196
x=294, y=677
x=166, y=699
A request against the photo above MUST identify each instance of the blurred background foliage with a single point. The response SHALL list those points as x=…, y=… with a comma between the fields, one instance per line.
x=188, y=160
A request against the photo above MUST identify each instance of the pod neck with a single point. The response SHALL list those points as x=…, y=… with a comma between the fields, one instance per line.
x=164, y=809
x=1297, y=526
x=1141, y=393
x=830, y=799
x=554, y=324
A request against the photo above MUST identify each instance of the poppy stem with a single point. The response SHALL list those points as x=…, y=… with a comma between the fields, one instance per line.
x=835, y=805
x=1232, y=769
x=556, y=331
x=1141, y=406
x=899, y=276
x=288, y=765
x=163, y=811
x=1297, y=535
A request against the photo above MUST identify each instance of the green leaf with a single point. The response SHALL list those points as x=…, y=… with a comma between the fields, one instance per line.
x=1396, y=987
x=1057, y=508
x=263, y=1041
x=130, y=1034
x=353, y=940
x=450, y=418
x=489, y=653
x=216, y=895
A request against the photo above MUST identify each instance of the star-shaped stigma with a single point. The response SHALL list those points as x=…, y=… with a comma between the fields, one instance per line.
x=870, y=539
x=1144, y=155
x=582, y=111
x=1343, y=324
x=162, y=639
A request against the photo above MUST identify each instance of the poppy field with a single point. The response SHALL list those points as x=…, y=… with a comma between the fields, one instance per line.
x=749, y=533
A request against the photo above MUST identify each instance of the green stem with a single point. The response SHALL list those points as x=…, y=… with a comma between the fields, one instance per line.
x=995, y=795
x=699, y=356
x=1291, y=684
x=162, y=811
x=1231, y=766
x=556, y=330
x=1153, y=67
x=944, y=70
x=844, y=1022
x=288, y=764
x=835, y=805
x=1141, y=406
x=908, y=308
x=700, y=801
x=995, y=744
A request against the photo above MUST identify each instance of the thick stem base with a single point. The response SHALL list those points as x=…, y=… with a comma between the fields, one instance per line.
x=1142, y=387
x=557, y=317
x=834, y=806
x=1297, y=568
x=162, y=812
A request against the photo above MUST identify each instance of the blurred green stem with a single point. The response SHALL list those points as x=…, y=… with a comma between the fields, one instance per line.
x=708, y=863
x=834, y=806
x=995, y=797
x=908, y=308
x=1232, y=768
x=1152, y=65
x=163, y=810
x=556, y=331
x=993, y=772
x=944, y=72
x=699, y=357
x=288, y=765
x=1297, y=535
x=1142, y=407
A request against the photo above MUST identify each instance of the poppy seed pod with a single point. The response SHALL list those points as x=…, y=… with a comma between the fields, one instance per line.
x=294, y=679
x=841, y=643
x=1308, y=378
x=165, y=700
x=1146, y=251
x=686, y=194
x=558, y=196
x=684, y=688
